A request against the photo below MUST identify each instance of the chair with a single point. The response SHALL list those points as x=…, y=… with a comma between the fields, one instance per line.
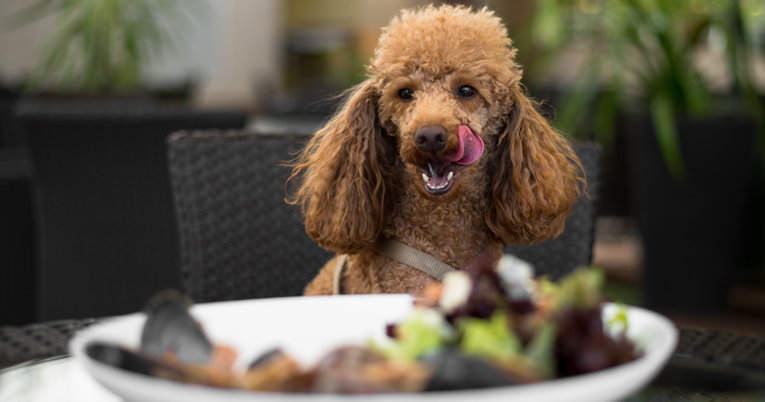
x=573, y=248
x=37, y=341
x=239, y=239
x=107, y=236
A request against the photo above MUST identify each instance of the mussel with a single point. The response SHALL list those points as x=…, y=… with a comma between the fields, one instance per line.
x=170, y=328
x=173, y=346
x=120, y=357
x=147, y=364
x=451, y=370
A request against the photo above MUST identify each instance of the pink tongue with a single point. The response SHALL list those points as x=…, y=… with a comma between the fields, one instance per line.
x=471, y=147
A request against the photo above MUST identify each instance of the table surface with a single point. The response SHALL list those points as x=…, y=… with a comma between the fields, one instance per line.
x=58, y=379
x=65, y=379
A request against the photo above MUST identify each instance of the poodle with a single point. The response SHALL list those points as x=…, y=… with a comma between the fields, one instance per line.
x=440, y=149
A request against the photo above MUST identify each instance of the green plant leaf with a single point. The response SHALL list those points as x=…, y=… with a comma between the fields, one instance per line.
x=576, y=102
x=663, y=118
x=605, y=119
x=548, y=25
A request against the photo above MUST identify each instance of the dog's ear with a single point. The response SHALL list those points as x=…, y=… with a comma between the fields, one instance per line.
x=536, y=177
x=347, y=181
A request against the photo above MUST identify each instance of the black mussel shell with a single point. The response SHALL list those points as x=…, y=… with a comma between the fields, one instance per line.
x=170, y=327
x=453, y=370
x=264, y=358
x=117, y=356
x=144, y=363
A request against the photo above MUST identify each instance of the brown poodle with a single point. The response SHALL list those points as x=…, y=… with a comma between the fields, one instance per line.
x=439, y=149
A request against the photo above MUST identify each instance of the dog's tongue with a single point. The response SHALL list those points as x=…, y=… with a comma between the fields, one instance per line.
x=471, y=147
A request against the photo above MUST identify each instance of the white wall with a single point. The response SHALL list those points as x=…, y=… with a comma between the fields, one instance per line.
x=245, y=59
x=19, y=47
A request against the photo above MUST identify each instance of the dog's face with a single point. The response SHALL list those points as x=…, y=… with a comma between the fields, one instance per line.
x=444, y=101
x=443, y=79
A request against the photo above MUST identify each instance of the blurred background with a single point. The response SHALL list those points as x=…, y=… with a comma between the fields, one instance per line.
x=671, y=90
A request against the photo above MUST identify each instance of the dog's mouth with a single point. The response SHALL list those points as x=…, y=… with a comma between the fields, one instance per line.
x=438, y=176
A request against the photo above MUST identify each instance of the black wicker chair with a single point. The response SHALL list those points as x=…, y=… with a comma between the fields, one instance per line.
x=239, y=238
x=31, y=342
x=573, y=248
x=107, y=232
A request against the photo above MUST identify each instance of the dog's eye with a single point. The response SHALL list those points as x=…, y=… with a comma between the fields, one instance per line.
x=406, y=94
x=466, y=91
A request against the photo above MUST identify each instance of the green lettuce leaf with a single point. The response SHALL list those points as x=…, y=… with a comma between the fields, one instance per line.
x=580, y=289
x=541, y=350
x=423, y=332
x=489, y=339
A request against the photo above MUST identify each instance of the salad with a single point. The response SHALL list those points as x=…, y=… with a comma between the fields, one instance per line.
x=483, y=327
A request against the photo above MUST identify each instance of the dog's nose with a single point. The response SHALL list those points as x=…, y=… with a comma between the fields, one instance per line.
x=431, y=139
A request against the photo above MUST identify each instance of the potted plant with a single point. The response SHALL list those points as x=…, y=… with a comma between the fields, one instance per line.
x=692, y=164
x=100, y=48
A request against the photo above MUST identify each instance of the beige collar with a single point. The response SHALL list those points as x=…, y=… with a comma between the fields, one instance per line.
x=397, y=251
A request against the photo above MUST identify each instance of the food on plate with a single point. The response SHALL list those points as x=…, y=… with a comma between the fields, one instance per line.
x=483, y=327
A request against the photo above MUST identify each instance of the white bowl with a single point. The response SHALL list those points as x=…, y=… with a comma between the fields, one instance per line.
x=309, y=327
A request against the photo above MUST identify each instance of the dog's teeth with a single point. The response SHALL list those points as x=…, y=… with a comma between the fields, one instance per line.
x=449, y=177
x=432, y=171
x=425, y=177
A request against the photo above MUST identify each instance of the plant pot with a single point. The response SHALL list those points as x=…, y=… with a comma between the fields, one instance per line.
x=614, y=192
x=9, y=126
x=179, y=93
x=693, y=230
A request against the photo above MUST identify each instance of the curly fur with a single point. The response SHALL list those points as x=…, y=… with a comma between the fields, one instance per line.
x=359, y=178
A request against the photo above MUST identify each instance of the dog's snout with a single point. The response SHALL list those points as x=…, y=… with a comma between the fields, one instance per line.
x=431, y=139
